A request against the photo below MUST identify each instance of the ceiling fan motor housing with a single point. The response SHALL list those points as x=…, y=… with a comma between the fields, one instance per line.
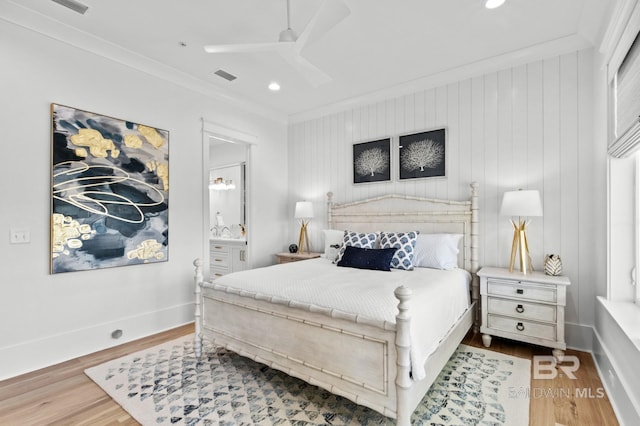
x=288, y=35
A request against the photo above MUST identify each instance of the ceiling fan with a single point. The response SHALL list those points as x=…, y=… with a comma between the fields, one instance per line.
x=290, y=45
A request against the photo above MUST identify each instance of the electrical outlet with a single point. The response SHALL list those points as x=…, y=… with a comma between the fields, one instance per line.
x=20, y=236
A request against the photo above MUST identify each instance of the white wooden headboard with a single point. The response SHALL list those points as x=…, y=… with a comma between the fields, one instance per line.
x=397, y=213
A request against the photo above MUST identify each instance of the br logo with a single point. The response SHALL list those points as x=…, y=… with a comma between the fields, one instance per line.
x=546, y=366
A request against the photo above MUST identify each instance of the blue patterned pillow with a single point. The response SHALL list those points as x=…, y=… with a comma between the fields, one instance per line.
x=405, y=242
x=355, y=239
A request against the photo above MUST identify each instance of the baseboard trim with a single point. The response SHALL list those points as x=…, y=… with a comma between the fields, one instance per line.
x=586, y=338
x=618, y=397
x=614, y=368
x=36, y=354
x=579, y=336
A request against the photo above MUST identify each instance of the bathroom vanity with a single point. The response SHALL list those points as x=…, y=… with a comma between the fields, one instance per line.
x=227, y=255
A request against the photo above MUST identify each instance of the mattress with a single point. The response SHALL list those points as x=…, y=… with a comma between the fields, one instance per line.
x=439, y=297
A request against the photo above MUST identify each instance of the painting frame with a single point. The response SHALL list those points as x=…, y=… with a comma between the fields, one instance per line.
x=422, y=155
x=109, y=191
x=372, y=161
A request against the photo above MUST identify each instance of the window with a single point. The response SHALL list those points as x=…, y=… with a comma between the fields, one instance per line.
x=627, y=107
x=625, y=82
x=623, y=73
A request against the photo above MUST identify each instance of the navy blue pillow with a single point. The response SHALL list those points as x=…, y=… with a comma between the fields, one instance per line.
x=367, y=258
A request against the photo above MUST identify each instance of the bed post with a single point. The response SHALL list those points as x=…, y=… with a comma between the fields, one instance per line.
x=198, y=279
x=329, y=209
x=475, y=241
x=403, y=358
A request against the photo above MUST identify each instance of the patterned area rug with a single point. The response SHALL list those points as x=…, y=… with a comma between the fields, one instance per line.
x=167, y=385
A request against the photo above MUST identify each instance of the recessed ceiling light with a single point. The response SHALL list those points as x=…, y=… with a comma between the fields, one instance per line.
x=492, y=4
x=274, y=86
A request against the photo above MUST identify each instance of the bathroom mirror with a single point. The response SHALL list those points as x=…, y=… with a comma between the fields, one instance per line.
x=227, y=201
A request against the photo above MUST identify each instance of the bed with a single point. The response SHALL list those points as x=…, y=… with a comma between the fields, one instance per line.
x=384, y=360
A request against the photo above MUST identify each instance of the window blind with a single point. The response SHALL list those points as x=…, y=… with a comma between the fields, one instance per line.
x=626, y=89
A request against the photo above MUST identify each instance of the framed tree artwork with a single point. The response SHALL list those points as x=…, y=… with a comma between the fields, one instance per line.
x=422, y=155
x=109, y=191
x=372, y=161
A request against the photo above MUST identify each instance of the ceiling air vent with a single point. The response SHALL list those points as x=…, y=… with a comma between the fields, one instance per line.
x=225, y=75
x=73, y=5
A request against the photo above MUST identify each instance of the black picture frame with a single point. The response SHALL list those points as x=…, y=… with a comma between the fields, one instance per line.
x=372, y=161
x=422, y=155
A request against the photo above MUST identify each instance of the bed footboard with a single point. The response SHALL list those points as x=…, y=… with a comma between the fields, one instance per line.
x=319, y=349
x=311, y=346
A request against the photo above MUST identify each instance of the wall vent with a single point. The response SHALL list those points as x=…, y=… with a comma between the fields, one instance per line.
x=73, y=5
x=225, y=75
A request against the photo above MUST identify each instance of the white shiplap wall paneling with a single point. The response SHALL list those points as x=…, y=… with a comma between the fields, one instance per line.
x=569, y=243
x=522, y=127
x=588, y=247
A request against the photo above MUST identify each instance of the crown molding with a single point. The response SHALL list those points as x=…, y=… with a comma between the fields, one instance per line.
x=617, y=24
x=529, y=54
x=28, y=19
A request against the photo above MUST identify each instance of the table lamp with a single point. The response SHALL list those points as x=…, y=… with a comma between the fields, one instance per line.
x=304, y=213
x=521, y=204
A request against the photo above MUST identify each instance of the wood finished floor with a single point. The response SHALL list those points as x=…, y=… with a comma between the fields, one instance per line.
x=64, y=395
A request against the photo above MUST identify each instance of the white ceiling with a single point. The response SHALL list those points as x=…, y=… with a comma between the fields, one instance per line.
x=381, y=44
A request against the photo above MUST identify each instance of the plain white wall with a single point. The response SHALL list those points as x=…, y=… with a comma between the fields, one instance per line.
x=529, y=126
x=47, y=318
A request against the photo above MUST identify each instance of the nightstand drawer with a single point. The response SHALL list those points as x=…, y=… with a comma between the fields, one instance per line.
x=523, y=327
x=519, y=309
x=522, y=290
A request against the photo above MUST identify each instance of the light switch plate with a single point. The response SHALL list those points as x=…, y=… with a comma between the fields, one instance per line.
x=20, y=236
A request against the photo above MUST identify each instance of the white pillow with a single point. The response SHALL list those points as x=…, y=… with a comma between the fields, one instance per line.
x=439, y=251
x=332, y=243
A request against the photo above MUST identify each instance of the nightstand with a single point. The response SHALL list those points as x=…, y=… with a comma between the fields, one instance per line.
x=528, y=308
x=295, y=257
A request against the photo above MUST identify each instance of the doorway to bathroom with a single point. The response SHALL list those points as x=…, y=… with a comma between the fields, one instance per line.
x=226, y=199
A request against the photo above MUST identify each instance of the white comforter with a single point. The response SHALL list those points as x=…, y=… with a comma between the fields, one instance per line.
x=439, y=297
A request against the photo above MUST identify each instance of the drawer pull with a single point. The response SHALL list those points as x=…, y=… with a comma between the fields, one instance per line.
x=520, y=326
x=519, y=309
x=217, y=260
x=520, y=291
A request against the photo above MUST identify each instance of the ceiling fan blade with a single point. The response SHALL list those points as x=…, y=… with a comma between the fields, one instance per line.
x=310, y=72
x=248, y=47
x=330, y=13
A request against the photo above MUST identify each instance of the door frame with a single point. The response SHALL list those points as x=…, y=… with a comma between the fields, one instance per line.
x=216, y=131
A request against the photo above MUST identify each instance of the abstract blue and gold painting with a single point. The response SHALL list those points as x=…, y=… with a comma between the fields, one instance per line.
x=109, y=191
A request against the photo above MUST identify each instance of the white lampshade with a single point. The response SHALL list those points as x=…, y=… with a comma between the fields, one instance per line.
x=521, y=203
x=304, y=210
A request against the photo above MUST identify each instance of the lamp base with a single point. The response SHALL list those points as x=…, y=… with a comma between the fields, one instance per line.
x=520, y=244
x=304, y=238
